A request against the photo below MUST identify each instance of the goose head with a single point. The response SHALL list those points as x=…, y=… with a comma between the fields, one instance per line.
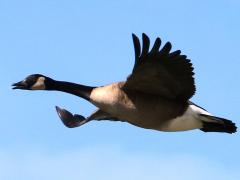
x=34, y=82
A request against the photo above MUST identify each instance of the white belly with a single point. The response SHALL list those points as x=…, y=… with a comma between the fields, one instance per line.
x=189, y=120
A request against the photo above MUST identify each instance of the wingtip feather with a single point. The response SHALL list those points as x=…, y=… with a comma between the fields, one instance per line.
x=145, y=44
x=137, y=47
x=156, y=45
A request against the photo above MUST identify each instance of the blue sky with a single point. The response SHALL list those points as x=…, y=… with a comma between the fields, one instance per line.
x=90, y=43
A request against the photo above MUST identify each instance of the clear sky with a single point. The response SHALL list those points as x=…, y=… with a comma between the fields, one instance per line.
x=89, y=42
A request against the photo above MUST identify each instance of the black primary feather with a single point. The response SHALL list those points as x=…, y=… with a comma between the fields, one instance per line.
x=137, y=48
x=146, y=44
x=156, y=46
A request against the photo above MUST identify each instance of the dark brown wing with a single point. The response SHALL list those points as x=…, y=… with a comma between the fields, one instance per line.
x=161, y=72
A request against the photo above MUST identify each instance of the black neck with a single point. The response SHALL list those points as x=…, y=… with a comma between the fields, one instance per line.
x=72, y=88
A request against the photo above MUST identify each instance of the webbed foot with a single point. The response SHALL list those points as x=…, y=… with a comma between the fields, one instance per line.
x=70, y=120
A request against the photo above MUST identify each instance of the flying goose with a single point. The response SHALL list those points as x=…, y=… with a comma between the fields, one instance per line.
x=155, y=96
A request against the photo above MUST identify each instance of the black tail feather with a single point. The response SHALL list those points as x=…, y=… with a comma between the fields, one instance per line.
x=216, y=124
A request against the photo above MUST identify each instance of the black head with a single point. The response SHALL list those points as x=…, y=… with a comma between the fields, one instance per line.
x=34, y=82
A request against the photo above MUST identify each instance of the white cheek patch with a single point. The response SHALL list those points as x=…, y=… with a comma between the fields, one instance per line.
x=39, y=85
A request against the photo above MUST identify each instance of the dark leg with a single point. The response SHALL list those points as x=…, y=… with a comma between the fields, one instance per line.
x=70, y=120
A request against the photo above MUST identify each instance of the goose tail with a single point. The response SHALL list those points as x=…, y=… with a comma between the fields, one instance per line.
x=217, y=124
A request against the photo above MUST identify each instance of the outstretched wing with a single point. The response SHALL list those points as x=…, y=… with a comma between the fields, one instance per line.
x=160, y=72
x=102, y=115
x=76, y=120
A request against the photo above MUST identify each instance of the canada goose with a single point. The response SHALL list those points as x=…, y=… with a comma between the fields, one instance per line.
x=155, y=96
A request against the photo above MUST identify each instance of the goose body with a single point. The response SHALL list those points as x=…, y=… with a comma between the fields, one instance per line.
x=143, y=110
x=155, y=96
